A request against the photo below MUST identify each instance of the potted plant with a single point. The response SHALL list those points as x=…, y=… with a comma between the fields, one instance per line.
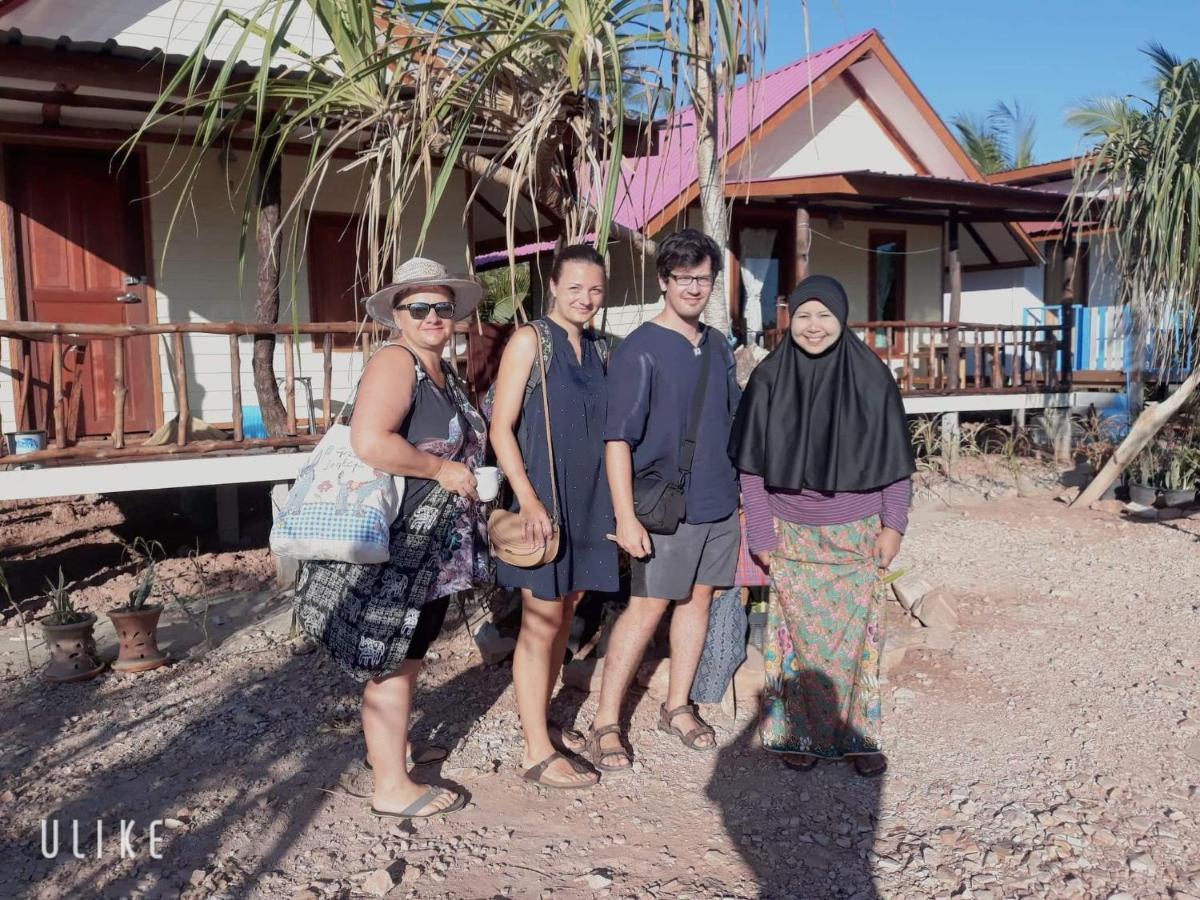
x=1179, y=476
x=136, y=623
x=1144, y=476
x=69, y=637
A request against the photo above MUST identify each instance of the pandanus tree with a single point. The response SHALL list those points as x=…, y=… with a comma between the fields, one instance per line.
x=526, y=95
x=1140, y=191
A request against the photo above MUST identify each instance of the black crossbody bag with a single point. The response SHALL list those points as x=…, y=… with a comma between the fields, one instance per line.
x=659, y=504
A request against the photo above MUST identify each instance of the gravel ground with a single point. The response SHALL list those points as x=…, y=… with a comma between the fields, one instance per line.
x=1052, y=751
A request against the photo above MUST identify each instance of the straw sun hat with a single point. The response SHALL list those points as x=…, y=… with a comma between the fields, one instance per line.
x=419, y=272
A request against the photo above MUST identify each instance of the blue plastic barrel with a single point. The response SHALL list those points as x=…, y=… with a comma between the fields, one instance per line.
x=252, y=423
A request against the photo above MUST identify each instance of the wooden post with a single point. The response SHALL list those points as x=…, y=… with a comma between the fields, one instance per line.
x=1070, y=255
x=977, y=357
x=327, y=366
x=184, y=417
x=803, y=243
x=56, y=387
x=289, y=383
x=365, y=342
x=119, y=393
x=955, y=304
x=235, y=384
x=997, y=361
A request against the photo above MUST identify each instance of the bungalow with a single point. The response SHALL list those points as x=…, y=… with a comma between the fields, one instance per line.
x=837, y=164
x=83, y=241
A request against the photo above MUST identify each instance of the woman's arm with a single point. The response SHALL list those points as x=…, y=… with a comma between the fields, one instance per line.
x=516, y=364
x=384, y=399
x=760, y=524
x=894, y=519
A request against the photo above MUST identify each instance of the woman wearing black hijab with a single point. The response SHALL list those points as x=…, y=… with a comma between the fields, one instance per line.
x=822, y=444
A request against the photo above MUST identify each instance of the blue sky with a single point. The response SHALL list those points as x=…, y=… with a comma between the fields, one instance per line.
x=966, y=55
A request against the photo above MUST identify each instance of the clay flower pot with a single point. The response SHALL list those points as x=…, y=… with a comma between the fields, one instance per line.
x=72, y=650
x=137, y=631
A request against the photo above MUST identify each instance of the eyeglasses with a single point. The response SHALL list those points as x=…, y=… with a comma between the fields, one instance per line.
x=686, y=281
x=419, y=310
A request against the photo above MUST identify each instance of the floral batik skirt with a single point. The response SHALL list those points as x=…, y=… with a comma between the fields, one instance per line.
x=824, y=641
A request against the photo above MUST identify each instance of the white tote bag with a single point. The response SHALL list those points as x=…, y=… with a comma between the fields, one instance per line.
x=339, y=509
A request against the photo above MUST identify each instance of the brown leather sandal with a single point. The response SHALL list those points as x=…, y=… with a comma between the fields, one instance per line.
x=801, y=762
x=537, y=774
x=599, y=754
x=667, y=716
x=869, y=765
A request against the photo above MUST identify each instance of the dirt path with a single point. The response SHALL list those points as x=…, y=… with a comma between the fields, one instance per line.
x=1045, y=755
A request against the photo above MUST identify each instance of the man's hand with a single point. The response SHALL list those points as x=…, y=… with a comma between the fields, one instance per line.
x=633, y=538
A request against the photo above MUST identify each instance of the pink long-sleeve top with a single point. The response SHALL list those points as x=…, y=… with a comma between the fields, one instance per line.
x=763, y=506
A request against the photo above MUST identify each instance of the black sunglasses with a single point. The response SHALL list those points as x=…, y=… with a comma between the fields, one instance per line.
x=420, y=309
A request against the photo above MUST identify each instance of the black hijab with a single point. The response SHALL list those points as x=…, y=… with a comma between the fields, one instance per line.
x=833, y=422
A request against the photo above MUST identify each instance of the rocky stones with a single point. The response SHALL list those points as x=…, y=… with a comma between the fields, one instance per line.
x=909, y=589
x=493, y=646
x=936, y=610
x=583, y=674
x=1141, y=864
x=598, y=879
x=378, y=883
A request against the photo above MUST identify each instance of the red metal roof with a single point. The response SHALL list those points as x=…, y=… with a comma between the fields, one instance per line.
x=653, y=182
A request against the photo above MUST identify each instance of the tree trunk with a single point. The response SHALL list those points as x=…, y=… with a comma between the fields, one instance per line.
x=1148, y=424
x=712, y=178
x=269, y=244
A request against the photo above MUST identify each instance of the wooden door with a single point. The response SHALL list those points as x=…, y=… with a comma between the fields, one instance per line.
x=83, y=260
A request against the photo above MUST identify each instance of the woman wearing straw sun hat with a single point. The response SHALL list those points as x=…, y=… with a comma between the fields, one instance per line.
x=412, y=418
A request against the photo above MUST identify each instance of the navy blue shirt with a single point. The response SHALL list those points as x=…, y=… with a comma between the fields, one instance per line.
x=651, y=377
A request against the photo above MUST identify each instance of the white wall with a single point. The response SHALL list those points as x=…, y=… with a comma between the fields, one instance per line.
x=1001, y=295
x=847, y=139
x=841, y=253
x=197, y=280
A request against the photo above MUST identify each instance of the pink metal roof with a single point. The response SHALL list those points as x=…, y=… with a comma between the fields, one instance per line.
x=652, y=182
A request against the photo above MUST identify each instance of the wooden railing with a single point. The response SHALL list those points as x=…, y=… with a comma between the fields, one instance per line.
x=61, y=410
x=992, y=358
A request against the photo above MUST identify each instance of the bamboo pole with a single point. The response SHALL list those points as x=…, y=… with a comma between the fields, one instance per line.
x=26, y=384
x=365, y=343
x=977, y=358
x=102, y=453
x=289, y=382
x=120, y=391
x=184, y=418
x=235, y=384
x=56, y=387
x=934, y=381
x=327, y=368
x=32, y=330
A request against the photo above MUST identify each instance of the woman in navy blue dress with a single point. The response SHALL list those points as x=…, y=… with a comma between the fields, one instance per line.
x=587, y=560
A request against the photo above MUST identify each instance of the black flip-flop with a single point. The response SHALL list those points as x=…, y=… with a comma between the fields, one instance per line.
x=411, y=811
x=439, y=754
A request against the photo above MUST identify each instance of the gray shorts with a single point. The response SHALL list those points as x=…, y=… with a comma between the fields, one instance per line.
x=695, y=554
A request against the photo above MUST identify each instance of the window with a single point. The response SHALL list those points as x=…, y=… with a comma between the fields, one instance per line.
x=885, y=280
x=335, y=276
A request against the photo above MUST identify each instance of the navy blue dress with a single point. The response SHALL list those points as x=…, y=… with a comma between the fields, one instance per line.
x=587, y=560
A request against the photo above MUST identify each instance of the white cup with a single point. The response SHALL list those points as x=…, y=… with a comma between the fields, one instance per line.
x=487, y=483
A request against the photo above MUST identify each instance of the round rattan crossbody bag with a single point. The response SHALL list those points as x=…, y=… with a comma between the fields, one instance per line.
x=506, y=532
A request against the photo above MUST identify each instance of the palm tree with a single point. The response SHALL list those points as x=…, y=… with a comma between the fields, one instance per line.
x=526, y=94
x=1140, y=189
x=1002, y=140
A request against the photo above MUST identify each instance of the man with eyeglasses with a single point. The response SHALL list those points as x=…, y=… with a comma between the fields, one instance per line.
x=653, y=387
